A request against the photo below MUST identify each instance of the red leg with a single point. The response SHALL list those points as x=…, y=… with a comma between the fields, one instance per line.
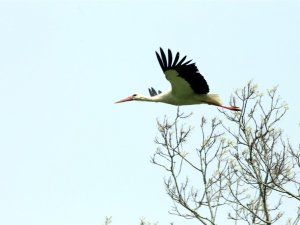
x=233, y=108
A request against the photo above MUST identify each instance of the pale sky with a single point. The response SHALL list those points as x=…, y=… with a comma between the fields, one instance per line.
x=68, y=155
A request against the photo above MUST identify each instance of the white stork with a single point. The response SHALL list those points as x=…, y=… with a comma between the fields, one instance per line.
x=188, y=86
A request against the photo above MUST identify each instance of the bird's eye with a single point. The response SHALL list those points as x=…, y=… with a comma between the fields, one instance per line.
x=134, y=95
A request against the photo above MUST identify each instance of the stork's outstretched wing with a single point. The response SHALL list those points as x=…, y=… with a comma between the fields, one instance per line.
x=184, y=77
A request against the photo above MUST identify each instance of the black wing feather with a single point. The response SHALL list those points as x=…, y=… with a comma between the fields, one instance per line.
x=176, y=59
x=181, y=61
x=169, y=58
x=153, y=92
x=187, y=62
x=186, y=70
x=159, y=60
x=163, y=57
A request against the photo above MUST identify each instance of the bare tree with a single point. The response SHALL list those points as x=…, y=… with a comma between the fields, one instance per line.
x=198, y=201
x=243, y=164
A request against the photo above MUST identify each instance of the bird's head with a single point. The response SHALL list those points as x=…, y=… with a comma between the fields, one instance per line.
x=130, y=98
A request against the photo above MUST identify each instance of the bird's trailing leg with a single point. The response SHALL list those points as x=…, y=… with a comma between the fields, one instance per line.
x=214, y=99
x=233, y=108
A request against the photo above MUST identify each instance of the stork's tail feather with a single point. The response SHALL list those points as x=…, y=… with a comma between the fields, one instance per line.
x=214, y=99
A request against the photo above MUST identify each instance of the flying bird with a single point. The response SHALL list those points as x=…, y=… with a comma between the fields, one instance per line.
x=188, y=86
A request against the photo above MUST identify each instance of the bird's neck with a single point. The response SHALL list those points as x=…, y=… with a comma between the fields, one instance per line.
x=147, y=99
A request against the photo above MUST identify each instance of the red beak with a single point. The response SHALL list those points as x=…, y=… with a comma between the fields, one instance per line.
x=125, y=99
